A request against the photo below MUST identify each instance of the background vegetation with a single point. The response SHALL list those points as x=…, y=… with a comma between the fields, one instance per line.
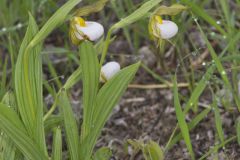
x=185, y=96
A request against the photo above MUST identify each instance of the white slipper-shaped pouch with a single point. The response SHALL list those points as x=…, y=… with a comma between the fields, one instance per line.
x=109, y=70
x=81, y=30
x=163, y=29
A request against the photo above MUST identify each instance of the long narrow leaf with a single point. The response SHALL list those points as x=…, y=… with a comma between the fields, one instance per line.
x=57, y=18
x=217, y=147
x=219, y=66
x=11, y=125
x=90, y=77
x=218, y=121
x=73, y=79
x=28, y=84
x=181, y=120
x=57, y=145
x=70, y=125
x=107, y=98
x=52, y=122
x=9, y=148
x=199, y=89
x=203, y=14
x=238, y=130
x=136, y=15
x=191, y=125
x=28, y=74
x=92, y=8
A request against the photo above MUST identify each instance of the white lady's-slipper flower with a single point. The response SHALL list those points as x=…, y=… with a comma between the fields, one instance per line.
x=109, y=70
x=162, y=29
x=84, y=30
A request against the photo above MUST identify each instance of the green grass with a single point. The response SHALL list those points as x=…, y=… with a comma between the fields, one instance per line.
x=22, y=83
x=181, y=120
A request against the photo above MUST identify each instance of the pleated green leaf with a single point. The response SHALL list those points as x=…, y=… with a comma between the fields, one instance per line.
x=11, y=125
x=3, y=78
x=171, y=10
x=57, y=145
x=28, y=86
x=57, y=18
x=52, y=122
x=9, y=100
x=103, y=153
x=92, y=8
x=28, y=74
x=107, y=98
x=90, y=77
x=152, y=151
x=181, y=120
x=9, y=148
x=70, y=125
x=1, y=146
x=136, y=144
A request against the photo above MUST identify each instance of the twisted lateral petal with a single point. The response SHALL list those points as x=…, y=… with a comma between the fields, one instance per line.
x=92, y=31
x=109, y=70
x=167, y=29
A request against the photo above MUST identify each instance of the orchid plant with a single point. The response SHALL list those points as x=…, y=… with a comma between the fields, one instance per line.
x=24, y=123
x=162, y=31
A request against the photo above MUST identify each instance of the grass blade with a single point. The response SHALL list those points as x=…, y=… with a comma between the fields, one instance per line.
x=119, y=10
x=201, y=13
x=238, y=131
x=217, y=147
x=225, y=8
x=191, y=125
x=198, y=90
x=219, y=66
x=181, y=120
x=218, y=121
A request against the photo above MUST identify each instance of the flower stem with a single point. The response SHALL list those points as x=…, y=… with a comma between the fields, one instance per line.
x=52, y=109
x=106, y=45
